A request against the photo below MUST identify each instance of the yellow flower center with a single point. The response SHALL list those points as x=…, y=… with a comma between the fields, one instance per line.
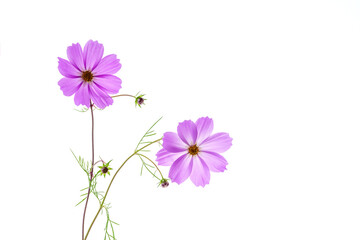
x=87, y=76
x=193, y=150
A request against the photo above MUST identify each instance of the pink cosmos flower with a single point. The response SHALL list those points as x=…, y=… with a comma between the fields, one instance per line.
x=89, y=75
x=194, y=151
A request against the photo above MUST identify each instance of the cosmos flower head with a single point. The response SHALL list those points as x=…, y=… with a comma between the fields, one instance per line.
x=89, y=75
x=194, y=151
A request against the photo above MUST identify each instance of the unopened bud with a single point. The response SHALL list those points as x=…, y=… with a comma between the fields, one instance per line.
x=140, y=101
x=165, y=184
x=104, y=170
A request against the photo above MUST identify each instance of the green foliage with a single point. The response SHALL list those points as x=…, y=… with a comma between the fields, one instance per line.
x=82, y=195
x=144, y=139
x=83, y=109
x=86, y=167
x=96, y=108
x=144, y=164
x=109, y=224
x=99, y=196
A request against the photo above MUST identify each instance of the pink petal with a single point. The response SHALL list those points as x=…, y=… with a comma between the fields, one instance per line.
x=75, y=56
x=172, y=143
x=67, y=69
x=200, y=174
x=219, y=142
x=82, y=96
x=187, y=131
x=108, y=65
x=214, y=161
x=69, y=85
x=108, y=83
x=100, y=98
x=93, y=52
x=205, y=126
x=180, y=170
x=165, y=158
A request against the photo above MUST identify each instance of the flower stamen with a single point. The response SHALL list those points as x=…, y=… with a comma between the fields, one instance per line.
x=193, y=150
x=87, y=76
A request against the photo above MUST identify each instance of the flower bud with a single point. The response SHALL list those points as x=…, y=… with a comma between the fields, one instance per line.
x=105, y=169
x=140, y=101
x=164, y=183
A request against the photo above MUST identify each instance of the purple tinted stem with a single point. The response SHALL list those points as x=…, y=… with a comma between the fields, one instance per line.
x=92, y=169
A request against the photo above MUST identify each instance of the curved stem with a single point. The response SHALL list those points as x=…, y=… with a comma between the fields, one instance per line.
x=152, y=163
x=99, y=161
x=123, y=95
x=107, y=190
x=92, y=168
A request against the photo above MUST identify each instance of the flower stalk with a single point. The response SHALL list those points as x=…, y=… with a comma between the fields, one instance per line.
x=91, y=170
x=162, y=177
x=107, y=190
x=123, y=95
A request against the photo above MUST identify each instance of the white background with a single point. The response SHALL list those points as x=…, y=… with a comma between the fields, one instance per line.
x=282, y=77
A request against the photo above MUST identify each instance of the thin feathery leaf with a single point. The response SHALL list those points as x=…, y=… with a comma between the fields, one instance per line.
x=84, y=165
x=84, y=109
x=144, y=150
x=80, y=202
x=146, y=166
x=148, y=133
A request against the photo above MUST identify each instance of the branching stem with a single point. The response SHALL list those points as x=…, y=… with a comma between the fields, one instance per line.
x=107, y=190
x=99, y=161
x=139, y=154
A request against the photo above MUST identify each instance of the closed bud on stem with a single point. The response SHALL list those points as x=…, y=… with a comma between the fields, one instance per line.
x=105, y=169
x=164, y=183
x=140, y=100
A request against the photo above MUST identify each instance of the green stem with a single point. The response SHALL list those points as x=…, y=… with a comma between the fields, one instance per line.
x=102, y=204
x=123, y=95
x=152, y=163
